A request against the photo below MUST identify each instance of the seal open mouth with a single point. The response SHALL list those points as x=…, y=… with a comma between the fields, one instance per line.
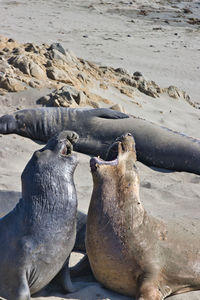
x=66, y=149
x=120, y=146
x=97, y=161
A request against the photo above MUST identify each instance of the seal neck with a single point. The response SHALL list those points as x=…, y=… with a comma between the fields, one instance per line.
x=118, y=199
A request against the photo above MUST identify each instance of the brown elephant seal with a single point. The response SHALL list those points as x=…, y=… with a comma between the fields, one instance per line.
x=38, y=235
x=130, y=251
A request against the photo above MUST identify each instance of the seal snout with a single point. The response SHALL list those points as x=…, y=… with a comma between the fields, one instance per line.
x=122, y=144
x=67, y=139
x=7, y=124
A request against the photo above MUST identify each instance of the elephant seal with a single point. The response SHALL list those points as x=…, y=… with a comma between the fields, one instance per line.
x=130, y=251
x=98, y=128
x=9, y=199
x=38, y=235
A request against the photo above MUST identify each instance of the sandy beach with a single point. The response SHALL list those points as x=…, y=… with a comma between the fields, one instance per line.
x=105, y=42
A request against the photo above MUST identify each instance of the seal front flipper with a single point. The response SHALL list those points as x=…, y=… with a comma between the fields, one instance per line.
x=8, y=124
x=106, y=113
x=150, y=291
x=19, y=291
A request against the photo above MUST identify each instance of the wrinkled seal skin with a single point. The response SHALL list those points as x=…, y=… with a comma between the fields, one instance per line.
x=37, y=236
x=98, y=128
x=130, y=251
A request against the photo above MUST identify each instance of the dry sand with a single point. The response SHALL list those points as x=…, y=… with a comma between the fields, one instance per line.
x=152, y=37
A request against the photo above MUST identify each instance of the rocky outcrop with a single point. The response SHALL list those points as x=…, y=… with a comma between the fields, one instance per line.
x=74, y=79
x=67, y=96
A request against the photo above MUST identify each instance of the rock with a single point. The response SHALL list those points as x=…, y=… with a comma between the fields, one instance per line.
x=121, y=71
x=118, y=107
x=34, y=84
x=49, y=64
x=194, y=21
x=82, y=77
x=103, y=85
x=67, y=96
x=71, y=57
x=187, y=10
x=27, y=66
x=58, y=47
x=11, y=40
x=129, y=81
x=138, y=74
x=16, y=51
x=59, y=75
x=30, y=47
x=6, y=49
x=56, y=55
x=5, y=68
x=36, y=71
x=149, y=88
x=11, y=84
x=138, y=77
x=174, y=92
x=21, y=62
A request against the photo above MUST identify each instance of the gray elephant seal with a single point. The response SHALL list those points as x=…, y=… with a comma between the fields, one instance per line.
x=98, y=128
x=129, y=251
x=37, y=236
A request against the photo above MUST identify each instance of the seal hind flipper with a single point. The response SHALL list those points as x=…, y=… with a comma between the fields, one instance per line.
x=79, y=245
x=82, y=268
x=18, y=292
x=63, y=280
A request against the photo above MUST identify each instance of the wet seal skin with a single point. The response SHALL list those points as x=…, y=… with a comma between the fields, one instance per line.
x=38, y=235
x=130, y=251
x=97, y=128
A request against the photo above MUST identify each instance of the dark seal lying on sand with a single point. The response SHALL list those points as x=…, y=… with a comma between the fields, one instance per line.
x=98, y=128
x=130, y=251
x=38, y=235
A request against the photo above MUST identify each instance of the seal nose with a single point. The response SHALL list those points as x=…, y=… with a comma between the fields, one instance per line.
x=7, y=124
x=124, y=136
x=127, y=134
